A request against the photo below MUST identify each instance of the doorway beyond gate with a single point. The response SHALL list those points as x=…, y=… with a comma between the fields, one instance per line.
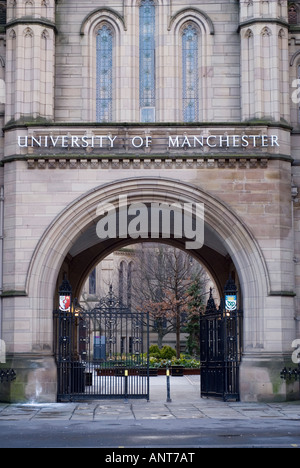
x=100, y=353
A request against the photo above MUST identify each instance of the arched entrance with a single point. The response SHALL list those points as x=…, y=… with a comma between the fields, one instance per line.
x=70, y=246
x=103, y=351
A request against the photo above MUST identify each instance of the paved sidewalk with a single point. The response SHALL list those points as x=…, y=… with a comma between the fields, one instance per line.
x=186, y=404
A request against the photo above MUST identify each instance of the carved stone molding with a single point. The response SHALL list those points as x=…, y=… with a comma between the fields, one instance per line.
x=153, y=163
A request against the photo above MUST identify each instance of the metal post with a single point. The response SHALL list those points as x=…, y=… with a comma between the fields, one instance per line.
x=126, y=385
x=168, y=386
x=148, y=358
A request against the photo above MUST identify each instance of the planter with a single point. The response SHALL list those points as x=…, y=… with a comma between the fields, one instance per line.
x=120, y=371
x=105, y=372
x=153, y=372
x=191, y=371
x=177, y=371
x=186, y=371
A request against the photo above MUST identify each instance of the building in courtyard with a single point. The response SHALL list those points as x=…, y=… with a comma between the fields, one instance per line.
x=109, y=104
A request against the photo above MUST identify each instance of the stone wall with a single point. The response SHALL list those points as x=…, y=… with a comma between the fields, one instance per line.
x=240, y=158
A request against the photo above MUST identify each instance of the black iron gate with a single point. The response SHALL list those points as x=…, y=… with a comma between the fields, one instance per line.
x=102, y=352
x=221, y=346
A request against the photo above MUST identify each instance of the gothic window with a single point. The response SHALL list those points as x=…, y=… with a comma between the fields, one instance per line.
x=298, y=72
x=129, y=284
x=92, y=282
x=29, y=8
x=190, y=74
x=2, y=15
x=293, y=14
x=121, y=282
x=104, y=74
x=265, y=8
x=147, y=60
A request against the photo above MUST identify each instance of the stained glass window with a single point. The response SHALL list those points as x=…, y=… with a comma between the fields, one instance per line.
x=293, y=14
x=190, y=74
x=104, y=74
x=298, y=105
x=147, y=60
x=129, y=284
x=121, y=282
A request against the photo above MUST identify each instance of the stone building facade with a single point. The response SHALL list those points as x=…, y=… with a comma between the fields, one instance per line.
x=158, y=101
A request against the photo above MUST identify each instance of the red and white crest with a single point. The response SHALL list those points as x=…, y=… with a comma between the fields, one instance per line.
x=65, y=303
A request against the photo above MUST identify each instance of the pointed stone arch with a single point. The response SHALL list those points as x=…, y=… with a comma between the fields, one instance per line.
x=193, y=14
x=99, y=15
x=88, y=31
x=205, y=30
x=67, y=228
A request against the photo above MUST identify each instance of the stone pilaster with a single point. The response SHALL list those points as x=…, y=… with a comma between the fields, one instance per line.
x=264, y=60
x=30, y=60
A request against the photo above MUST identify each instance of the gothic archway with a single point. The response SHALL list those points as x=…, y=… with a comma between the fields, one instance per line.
x=68, y=240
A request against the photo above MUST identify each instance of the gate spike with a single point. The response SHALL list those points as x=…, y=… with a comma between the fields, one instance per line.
x=210, y=303
x=230, y=286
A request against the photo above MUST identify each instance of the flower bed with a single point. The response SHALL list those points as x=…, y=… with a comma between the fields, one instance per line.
x=157, y=366
x=153, y=372
x=186, y=363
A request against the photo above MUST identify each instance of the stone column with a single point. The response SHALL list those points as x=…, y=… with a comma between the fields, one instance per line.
x=30, y=61
x=264, y=60
x=264, y=96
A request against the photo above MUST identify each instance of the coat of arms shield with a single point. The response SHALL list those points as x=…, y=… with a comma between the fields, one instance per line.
x=230, y=302
x=65, y=303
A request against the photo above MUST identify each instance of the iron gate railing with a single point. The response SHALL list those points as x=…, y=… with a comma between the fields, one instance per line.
x=221, y=348
x=103, y=352
x=7, y=375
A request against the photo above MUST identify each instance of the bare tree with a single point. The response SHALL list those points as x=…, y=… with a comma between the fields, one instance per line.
x=161, y=283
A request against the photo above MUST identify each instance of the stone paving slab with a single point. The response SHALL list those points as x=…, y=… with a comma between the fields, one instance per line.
x=186, y=404
x=122, y=410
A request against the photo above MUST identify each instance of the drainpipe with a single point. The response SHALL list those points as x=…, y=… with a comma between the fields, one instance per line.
x=295, y=194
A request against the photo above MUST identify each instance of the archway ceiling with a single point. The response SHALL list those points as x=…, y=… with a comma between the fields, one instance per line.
x=90, y=239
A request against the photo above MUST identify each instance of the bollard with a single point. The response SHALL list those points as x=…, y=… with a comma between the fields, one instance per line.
x=168, y=386
x=126, y=386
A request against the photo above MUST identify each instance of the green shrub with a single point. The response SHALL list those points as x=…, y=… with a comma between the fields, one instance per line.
x=155, y=351
x=167, y=352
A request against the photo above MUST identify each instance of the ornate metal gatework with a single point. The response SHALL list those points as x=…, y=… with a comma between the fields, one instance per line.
x=7, y=375
x=102, y=352
x=221, y=346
